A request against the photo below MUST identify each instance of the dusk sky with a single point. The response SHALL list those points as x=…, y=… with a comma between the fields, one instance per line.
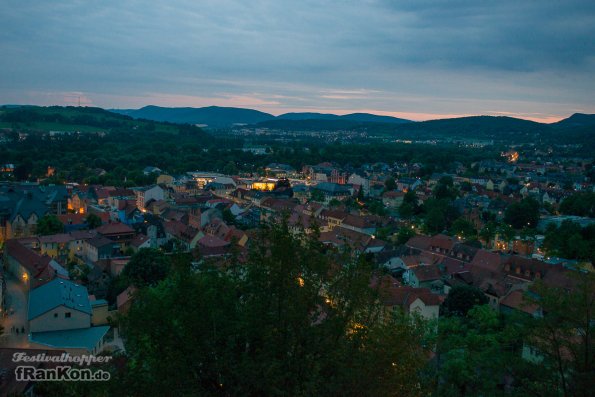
x=413, y=59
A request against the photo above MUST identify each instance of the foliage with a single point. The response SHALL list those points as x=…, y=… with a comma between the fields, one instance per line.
x=488, y=232
x=228, y=216
x=405, y=233
x=93, y=221
x=146, y=267
x=439, y=214
x=564, y=339
x=390, y=184
x=522, y=214
x=570, y=241
x=49, y=224
x=295, y=319
x=463, y=228
x=581, y=204
x=316, y=195
x=409, y=206
x=473, y=356
x=445, y=189
x=376, y=207
x=461, y=299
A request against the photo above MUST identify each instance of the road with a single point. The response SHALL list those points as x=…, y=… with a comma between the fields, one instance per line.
x=15, y=316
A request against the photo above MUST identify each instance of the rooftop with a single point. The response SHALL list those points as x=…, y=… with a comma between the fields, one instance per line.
x=58, y=292
x=84, y=338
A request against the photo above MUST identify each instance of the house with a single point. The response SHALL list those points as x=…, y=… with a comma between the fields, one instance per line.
x=393, y=199
x=144, y=194
x=99, y=247
x=424, y=276
x=359, y=224
x=128, y=213
x=185, y=235
x=420, y=301
x=22, y=205
x=29, y=267
x=73, y=222
x=140, y=241
x=59, y=316
x=117, y=195
x=99, y=311
x=359, y=242
x=278, y=170
x=124, y=300
x=406, y=184
x=59, y=305
x=119, y=233
x=211, y=246
x=360, y=181
x=332, y=191
x=55, y=245
x=165, y=179
x=220, y=189
x=516, y=301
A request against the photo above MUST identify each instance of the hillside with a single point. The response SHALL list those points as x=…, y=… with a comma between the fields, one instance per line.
x=81, y=119
x=502, y=129
x=357, y=117
x=212, y=116
x=224, y=117
x=577, y=120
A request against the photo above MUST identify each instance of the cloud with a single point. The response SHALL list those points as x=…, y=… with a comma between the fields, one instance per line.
x=423, y=57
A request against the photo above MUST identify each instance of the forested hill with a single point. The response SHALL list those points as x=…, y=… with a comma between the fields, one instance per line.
x=84, y=120
x=577, y=120
x=355, y=117
x=474, y=127
x=213, y=116
x=224, y=117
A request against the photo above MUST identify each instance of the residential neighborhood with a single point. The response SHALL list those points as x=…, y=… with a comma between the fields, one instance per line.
x=65, y=273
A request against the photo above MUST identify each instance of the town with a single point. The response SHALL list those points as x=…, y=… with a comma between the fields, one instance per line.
x=493, y=226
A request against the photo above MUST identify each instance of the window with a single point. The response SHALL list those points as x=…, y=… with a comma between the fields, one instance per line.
x=55, y=315
x=67, y=315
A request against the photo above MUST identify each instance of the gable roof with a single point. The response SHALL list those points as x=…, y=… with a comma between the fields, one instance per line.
x=72, y=219
x=58, y=292
x=405, y=296
x=34, y=263
x=516, y=300
x=487, y=260
x=419, y=242
x=114, y=228
x=427, y=273
x=99, y=241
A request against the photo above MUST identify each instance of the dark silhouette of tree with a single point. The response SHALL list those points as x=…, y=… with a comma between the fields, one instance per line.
x=461, y=299
x=49, y=224
x=93, y=221
x=147, y=267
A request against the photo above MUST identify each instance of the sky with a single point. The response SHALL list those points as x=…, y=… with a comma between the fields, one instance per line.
x=413, y=59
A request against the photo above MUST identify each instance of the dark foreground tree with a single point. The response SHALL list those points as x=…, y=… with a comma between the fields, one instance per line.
x=294, y=320
x=561, y=339
x=146, y=267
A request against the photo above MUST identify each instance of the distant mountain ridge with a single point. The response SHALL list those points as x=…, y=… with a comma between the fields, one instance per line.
x=360, y=117
x=212, y=116
x=222, y=117
x=577, y=120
